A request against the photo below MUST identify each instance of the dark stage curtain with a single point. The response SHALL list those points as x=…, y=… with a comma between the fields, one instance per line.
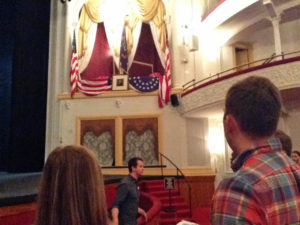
x=6, y=57
x=25, y=96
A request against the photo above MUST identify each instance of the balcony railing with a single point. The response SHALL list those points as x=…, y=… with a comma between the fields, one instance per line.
x=240, y=69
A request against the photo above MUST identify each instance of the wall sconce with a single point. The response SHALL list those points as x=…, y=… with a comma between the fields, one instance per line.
x=194, y=46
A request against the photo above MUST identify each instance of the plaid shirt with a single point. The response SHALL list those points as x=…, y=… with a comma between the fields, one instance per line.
x=264, y=190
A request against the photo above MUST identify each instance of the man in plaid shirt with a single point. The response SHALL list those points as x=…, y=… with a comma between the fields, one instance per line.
x=265, y=188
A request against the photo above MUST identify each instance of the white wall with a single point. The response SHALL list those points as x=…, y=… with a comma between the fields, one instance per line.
x=227, y=58
x=290, y=36
x=216, y=145
x=292, y=121
x=197, y=150
x=173, y=125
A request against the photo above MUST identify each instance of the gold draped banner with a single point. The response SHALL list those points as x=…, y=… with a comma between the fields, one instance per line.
x=147, y=10
x=89, y=14
x=154, y=10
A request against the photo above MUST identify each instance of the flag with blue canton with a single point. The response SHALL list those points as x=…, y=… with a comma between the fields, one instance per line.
x=123, y=51
x=109, y=81
x=144, y=83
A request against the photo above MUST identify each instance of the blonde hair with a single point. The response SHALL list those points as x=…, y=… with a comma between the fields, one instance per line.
x=72, y=189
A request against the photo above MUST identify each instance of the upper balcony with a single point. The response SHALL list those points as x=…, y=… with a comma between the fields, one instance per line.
x=206, y=97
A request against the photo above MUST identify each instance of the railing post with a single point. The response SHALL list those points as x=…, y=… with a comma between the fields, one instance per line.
x=177, y=175
x=161, y=165
x=177, y=181
x=190, y=198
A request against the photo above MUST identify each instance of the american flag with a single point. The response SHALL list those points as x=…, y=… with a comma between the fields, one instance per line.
x=165, y=84
x=74, y=68
x=145, y=83
x=94, y=86
x=86, y=86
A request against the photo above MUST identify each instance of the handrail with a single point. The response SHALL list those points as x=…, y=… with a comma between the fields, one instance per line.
x=122, y=167
x=217, y=75
x=188, y=83
x=184, y=178
x=268, y=60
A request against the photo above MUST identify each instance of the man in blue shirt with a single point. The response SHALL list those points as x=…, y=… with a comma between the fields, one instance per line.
x=125, y=208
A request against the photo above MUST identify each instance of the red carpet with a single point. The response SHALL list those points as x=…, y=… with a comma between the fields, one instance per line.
x=24, y=214
x=200, y=215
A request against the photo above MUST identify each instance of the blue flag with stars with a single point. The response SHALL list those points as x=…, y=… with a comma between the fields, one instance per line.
x=123, y=52
x=144, y=83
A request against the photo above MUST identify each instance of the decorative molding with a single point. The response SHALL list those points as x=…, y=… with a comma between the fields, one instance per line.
x=190, y=172
x=67, y=105
x=112, y=94
x=284, y=76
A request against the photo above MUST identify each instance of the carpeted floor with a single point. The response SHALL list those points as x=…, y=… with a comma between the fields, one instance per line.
x=201, y=215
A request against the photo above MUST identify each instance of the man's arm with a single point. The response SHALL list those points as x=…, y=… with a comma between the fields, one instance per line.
x=115, y=214
x=143, y=213
x=122, y=192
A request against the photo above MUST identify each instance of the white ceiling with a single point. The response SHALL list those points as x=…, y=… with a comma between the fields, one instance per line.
x=256, y=17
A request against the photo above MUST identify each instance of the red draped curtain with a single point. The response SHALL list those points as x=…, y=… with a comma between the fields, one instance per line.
x=146, y=52
x=101, y=62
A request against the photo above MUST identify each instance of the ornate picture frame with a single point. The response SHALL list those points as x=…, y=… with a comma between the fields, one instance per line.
x=120, y=82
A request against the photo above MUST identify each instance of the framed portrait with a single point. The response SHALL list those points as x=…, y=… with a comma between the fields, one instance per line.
x=120, y=82
x=98, y=134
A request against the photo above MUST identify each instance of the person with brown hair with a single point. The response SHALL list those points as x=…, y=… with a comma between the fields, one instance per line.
x=72, y=189
x=285, y=140
x=265, y=186
x=296, y=156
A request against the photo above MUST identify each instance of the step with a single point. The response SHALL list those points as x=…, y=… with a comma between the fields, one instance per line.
x=153, y=188
x=176, y=198
x=164, y=193
x=177, y=205
x=153, y=182
x=173, y=221
x=178, y=213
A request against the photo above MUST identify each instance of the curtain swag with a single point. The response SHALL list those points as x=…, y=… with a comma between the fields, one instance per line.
x=148, y=10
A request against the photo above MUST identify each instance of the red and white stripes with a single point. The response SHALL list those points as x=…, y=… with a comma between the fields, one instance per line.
x=95, y=86
x=88, y=87
x=165, y=84
x=74, y=72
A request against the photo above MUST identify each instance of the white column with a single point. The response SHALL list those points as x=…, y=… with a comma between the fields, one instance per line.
x=58, y=70
x=277, y=40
